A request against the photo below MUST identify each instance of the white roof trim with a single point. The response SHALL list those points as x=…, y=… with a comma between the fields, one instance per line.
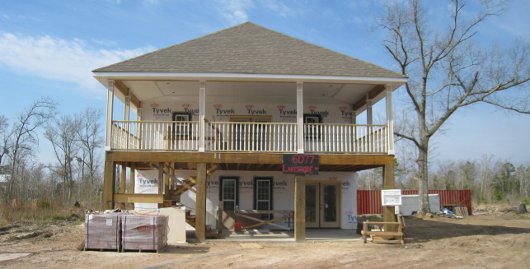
x=237, y=76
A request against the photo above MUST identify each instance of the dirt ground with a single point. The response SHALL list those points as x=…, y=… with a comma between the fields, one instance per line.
x=481, y=241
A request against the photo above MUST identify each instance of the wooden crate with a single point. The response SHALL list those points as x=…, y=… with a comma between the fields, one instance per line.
x=143, y=232
x=102, y=232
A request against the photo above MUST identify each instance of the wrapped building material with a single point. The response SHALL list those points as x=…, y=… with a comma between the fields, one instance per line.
x=144, y=232
x=102, y=231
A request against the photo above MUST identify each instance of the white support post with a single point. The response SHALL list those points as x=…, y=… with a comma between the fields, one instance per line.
x=126, y=116
x=127, y=108
x=300, y=116
x=354, y=122
x=110, y=108
x=369, y=113
x=202, y=113
x=390, y=121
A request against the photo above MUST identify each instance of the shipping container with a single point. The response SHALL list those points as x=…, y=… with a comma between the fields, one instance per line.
x=369, y=201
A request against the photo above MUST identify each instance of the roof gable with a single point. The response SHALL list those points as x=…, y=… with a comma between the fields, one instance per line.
x=250, y=49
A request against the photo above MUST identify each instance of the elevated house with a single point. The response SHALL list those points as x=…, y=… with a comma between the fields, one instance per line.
x=246, y=119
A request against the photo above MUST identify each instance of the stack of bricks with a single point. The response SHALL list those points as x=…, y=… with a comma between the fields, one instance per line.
x=123, y=231
x=144, y=232
x=102, y=232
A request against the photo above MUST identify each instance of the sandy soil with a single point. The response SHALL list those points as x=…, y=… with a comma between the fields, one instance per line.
x=483, y=241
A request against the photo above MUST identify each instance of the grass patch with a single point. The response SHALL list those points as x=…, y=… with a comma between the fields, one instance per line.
x=50, y=213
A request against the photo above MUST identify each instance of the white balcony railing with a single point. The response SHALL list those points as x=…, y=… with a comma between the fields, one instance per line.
x=345, y=138
x=155, y=135
x=249, y=137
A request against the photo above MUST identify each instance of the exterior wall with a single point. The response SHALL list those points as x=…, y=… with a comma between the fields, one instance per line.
x=220, y=109
x=283, y=191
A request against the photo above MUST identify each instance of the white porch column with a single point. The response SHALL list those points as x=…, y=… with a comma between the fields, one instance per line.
x=139, y=113
x=354, y=122
x=369, y=113
x=202, y=113
x=127, y=108
x=390, y=121
x=110, y=108
x=300, y=116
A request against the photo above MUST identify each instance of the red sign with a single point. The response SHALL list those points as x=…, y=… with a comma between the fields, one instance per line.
x=301, y=164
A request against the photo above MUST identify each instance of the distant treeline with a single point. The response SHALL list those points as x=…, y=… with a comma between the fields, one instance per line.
x=72, y=175
x=490, y=180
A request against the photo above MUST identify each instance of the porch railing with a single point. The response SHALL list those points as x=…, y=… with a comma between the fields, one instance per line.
x=249, y=137
x=155, y=135
x=345, y=138
x=252, y=136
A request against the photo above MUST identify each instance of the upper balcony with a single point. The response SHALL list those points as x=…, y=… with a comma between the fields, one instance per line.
x=269, y=137
x=249, y=117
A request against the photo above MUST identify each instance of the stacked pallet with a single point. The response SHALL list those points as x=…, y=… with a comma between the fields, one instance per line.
x=143, y=232
x=102, y=231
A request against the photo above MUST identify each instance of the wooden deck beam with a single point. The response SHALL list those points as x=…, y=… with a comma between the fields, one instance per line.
x=127, y=92
x=138, y=198
x=244, y=158
x=371, y=95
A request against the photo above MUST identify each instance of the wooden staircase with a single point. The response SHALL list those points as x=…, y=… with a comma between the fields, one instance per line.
x=176, y=187
x=174, y=192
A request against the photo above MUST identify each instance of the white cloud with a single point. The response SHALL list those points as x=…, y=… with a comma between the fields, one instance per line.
x=236, y=11
x=59, y=59
x=277, y=7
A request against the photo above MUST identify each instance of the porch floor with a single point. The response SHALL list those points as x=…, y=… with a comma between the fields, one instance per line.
x=286, y=236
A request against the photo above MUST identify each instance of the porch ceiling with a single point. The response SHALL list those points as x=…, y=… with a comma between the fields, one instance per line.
x=148, y=90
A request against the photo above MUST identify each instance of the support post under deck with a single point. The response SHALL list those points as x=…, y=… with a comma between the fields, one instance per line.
x=200, y=203
x=388, y=183
x=299, y=209
x=108, y=184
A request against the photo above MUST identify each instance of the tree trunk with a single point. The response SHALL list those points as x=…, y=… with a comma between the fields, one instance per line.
x=423, y=184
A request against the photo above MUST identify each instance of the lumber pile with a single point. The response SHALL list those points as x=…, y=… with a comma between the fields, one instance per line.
x=395, y=233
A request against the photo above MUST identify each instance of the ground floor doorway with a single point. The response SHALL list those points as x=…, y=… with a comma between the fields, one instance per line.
x=322, y=204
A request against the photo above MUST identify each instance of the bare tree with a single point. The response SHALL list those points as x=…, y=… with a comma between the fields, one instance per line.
x=62, y=133
x=447, y=71
x=90, y=139
x=23, y=137
x=4, y=138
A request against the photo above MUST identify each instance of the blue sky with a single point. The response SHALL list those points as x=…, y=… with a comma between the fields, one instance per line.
x=48, y=48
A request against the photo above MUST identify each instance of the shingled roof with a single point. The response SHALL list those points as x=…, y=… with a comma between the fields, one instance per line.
x=250, y=49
